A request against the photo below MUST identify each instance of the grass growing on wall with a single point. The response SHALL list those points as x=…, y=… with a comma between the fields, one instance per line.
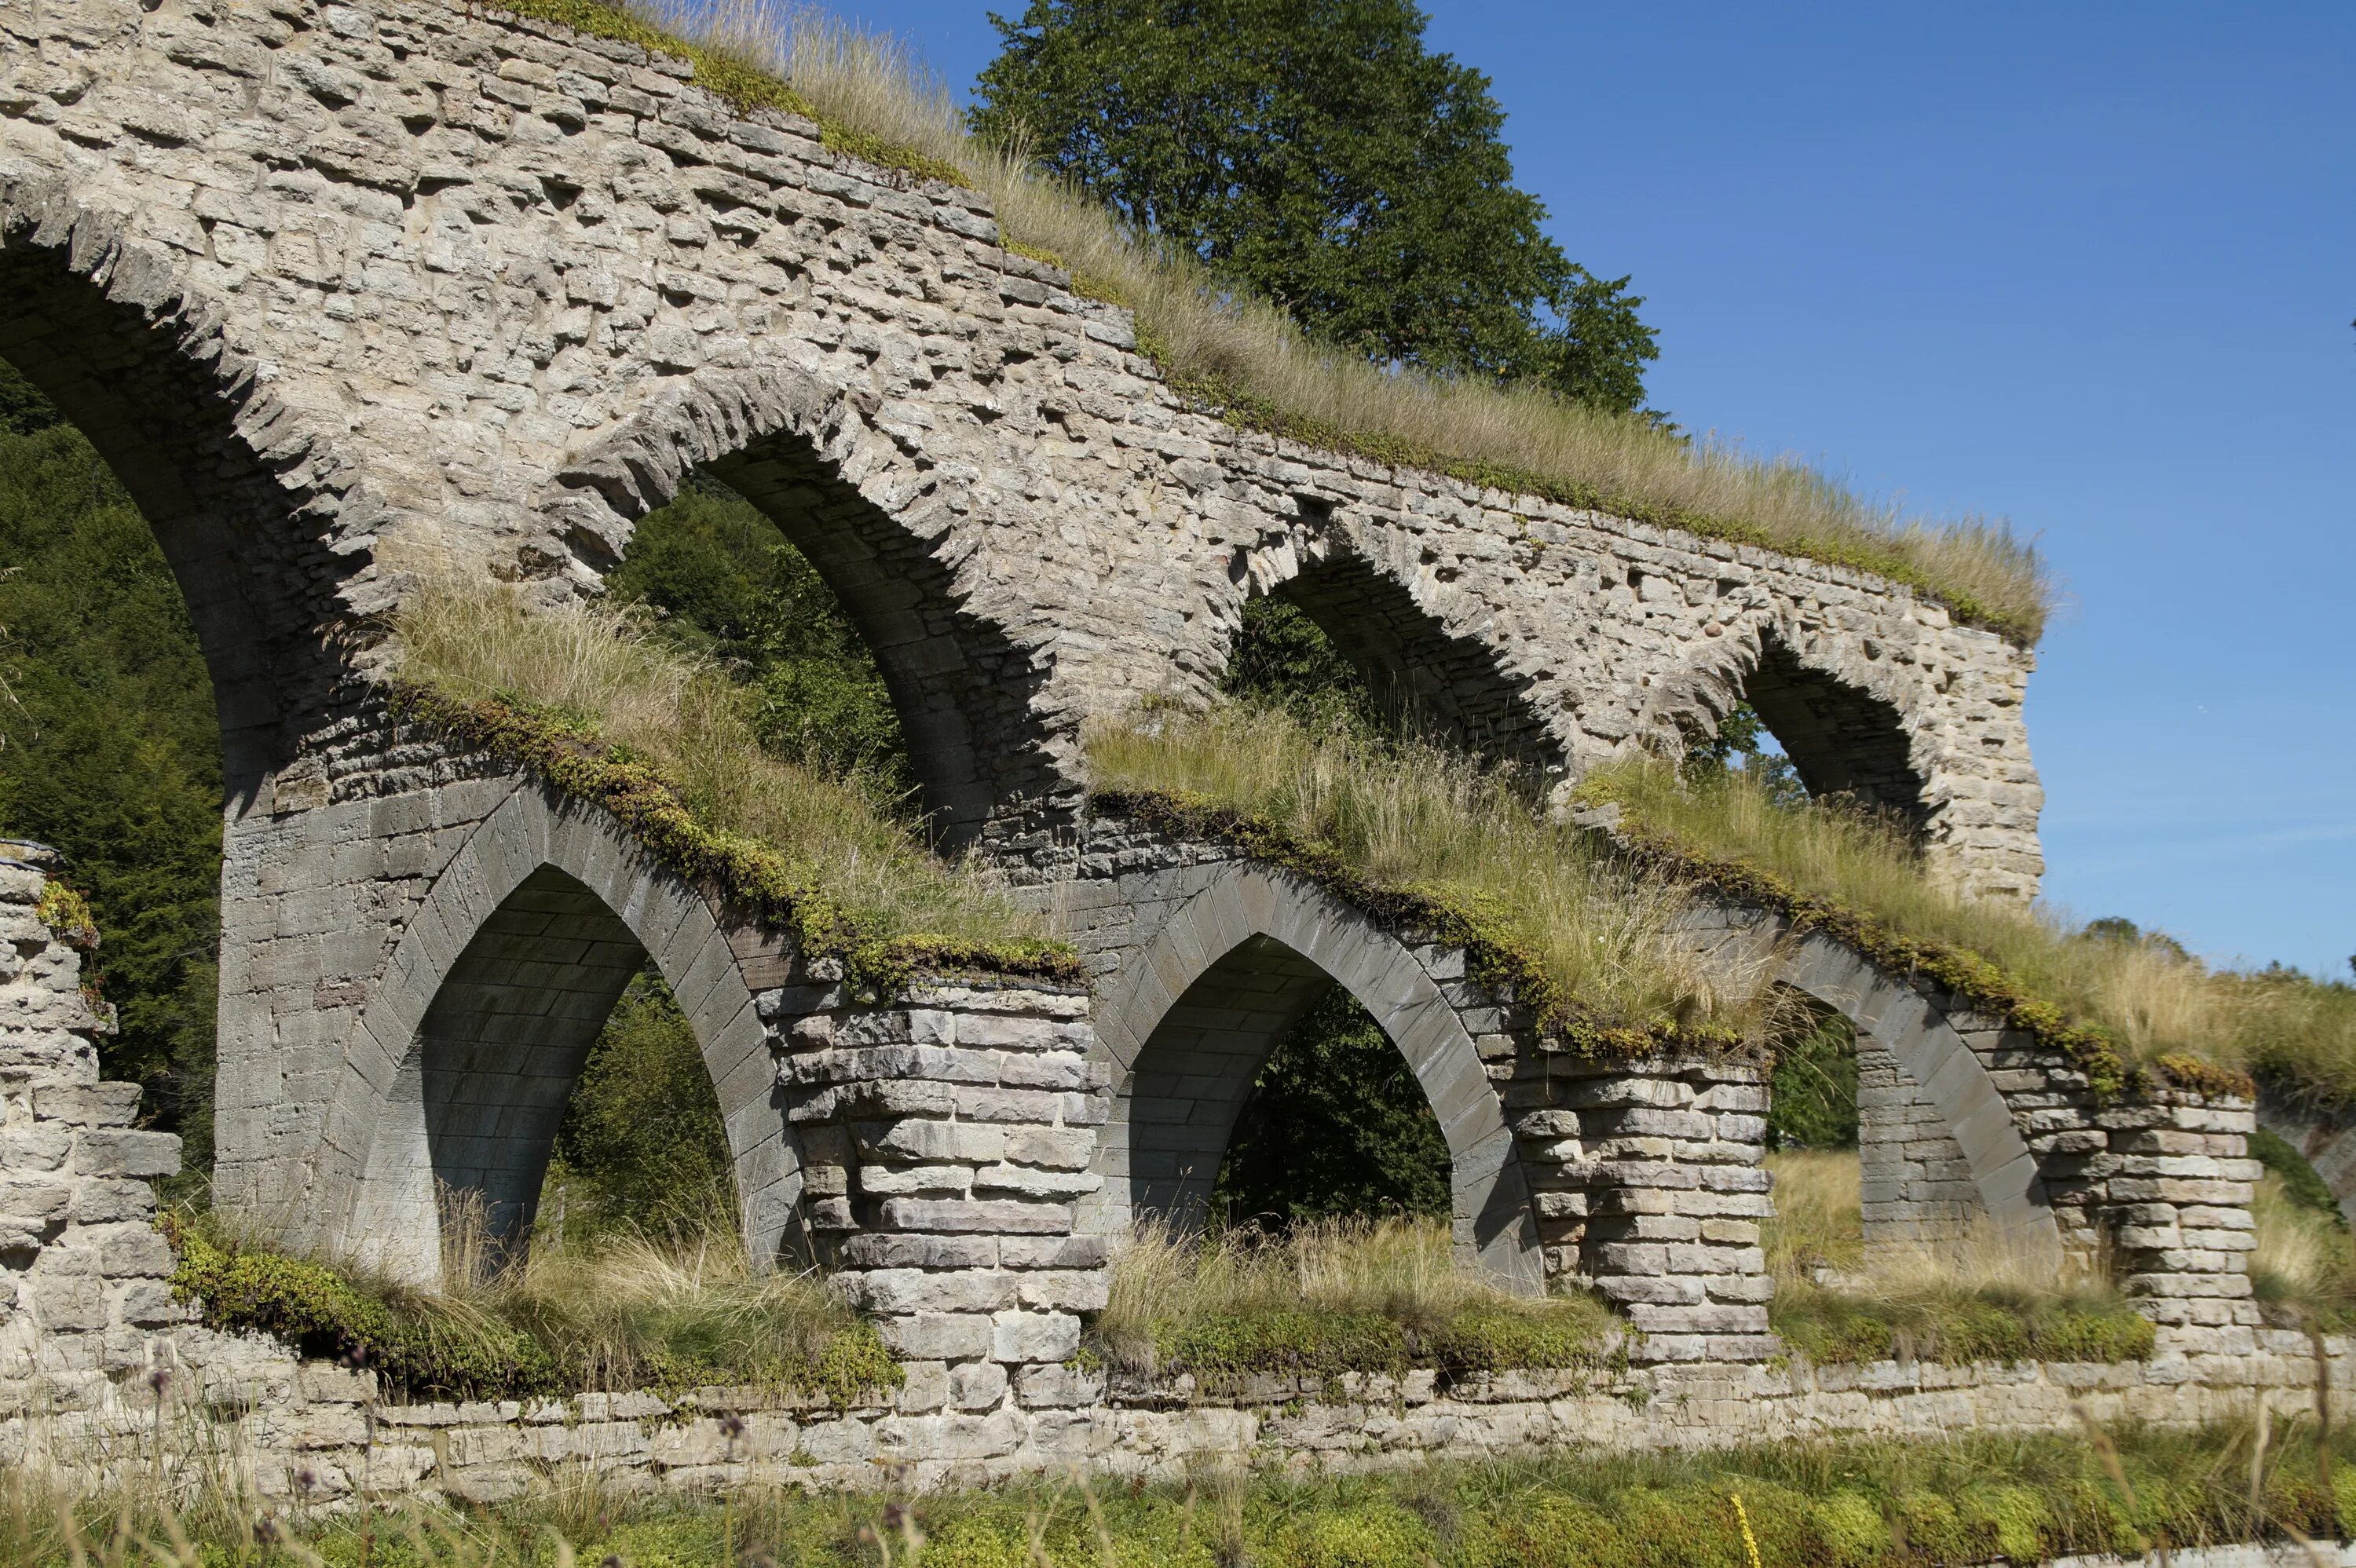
x=1325, y=1298
x=2117, y=999
x=588, y=700
x=633, y=1312
x=1422, y=836
x=874, y=98
x=1971, y=1301
x=1934, y=1504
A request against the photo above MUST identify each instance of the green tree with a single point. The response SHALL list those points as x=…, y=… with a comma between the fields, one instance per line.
x=110, y=750
x=1315, y=152
x=1812, y=1097
x=725, y=581
x=642, y=1146
x=1335, y=1125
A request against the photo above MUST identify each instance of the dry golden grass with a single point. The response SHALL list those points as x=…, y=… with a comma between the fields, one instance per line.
x=1971, y=1297
x=1404, y=815
x=1169, y=1287
x=2152, y=998
x=601, y=669
x=1206, y=334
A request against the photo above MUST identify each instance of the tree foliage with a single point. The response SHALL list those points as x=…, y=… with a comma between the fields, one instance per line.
x=642, y=1144
x=1337, y=1124
x=112, y=751
x=1813, y=1097
x=1315, y=152
x=725, y=581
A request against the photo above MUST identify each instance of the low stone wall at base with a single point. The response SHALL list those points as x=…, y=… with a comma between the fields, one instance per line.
x=312, y=1433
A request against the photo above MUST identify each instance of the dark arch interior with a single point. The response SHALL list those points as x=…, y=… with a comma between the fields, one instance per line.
x=1840, y=741
x=1414, y=672
x=505, y=1039
x=962, y=689
x=1205, y=1069
x=111, y=752
x=249, y=562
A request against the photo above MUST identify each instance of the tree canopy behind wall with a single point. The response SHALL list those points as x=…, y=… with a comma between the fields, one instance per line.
x=1317, y=152
x=112, y=751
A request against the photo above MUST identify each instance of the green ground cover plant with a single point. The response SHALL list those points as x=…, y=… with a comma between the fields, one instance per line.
x=1959, y=1303
x=1426, y=839
x=1973, y=1498
x=1324, y=1298
x=632, y=1311
x=2120, y=1000
x=1245, y=358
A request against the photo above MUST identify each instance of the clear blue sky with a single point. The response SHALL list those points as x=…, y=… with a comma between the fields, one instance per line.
x=2089, y=267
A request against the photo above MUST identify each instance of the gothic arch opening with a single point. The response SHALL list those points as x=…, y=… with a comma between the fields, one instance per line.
x=1865, y=1163
x=467, y=1068
x=1831, y=737
x=145, y=389
x=1342, y=626
x=1198, y=1014
x=162, y=592
x=960, y=687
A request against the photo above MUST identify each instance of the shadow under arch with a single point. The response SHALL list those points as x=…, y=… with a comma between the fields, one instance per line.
x=889, y=540
x=1842, y=737
x=1441, y=683
x=1191, y=1019
x=461, y=1067
x=141, y=365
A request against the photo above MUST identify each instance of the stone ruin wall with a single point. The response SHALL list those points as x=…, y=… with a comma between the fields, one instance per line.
x=355, y=295
x=488, y=288
x=948, y=1135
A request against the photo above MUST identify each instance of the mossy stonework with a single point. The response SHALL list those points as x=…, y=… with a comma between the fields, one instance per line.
x=362, y=298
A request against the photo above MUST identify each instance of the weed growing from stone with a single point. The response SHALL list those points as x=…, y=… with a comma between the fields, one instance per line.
x=633, y=1312
x=1971, y=1300
x=1440, y=847
x=587, y=699
x=1942, y=1503
x=1327, y=1299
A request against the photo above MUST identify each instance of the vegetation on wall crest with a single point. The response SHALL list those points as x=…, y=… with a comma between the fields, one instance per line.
x=1492, y=952
x=748, y=874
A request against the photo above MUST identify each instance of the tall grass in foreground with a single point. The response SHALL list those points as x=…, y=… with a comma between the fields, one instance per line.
x=604, y=671
x=1942, y=1502
x=1968, y=1298
x=1411, y=816
x=1207, y=334
x=2151, y=997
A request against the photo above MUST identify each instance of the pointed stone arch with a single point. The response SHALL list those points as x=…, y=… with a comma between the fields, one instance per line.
x=1381, y=616
x=462, y=1064
x=894, y=538
x=238, y=488
x=1189, y=1019
x=1942, y=1089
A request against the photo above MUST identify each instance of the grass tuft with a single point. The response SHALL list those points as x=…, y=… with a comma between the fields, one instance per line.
x=1968, y=1497
x=1429, y=842
x=1971, y=1300
x=1246, y=359
x=632, y=1313
x=587, y=700
x=1325, y=1299
x=2121, y=1005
